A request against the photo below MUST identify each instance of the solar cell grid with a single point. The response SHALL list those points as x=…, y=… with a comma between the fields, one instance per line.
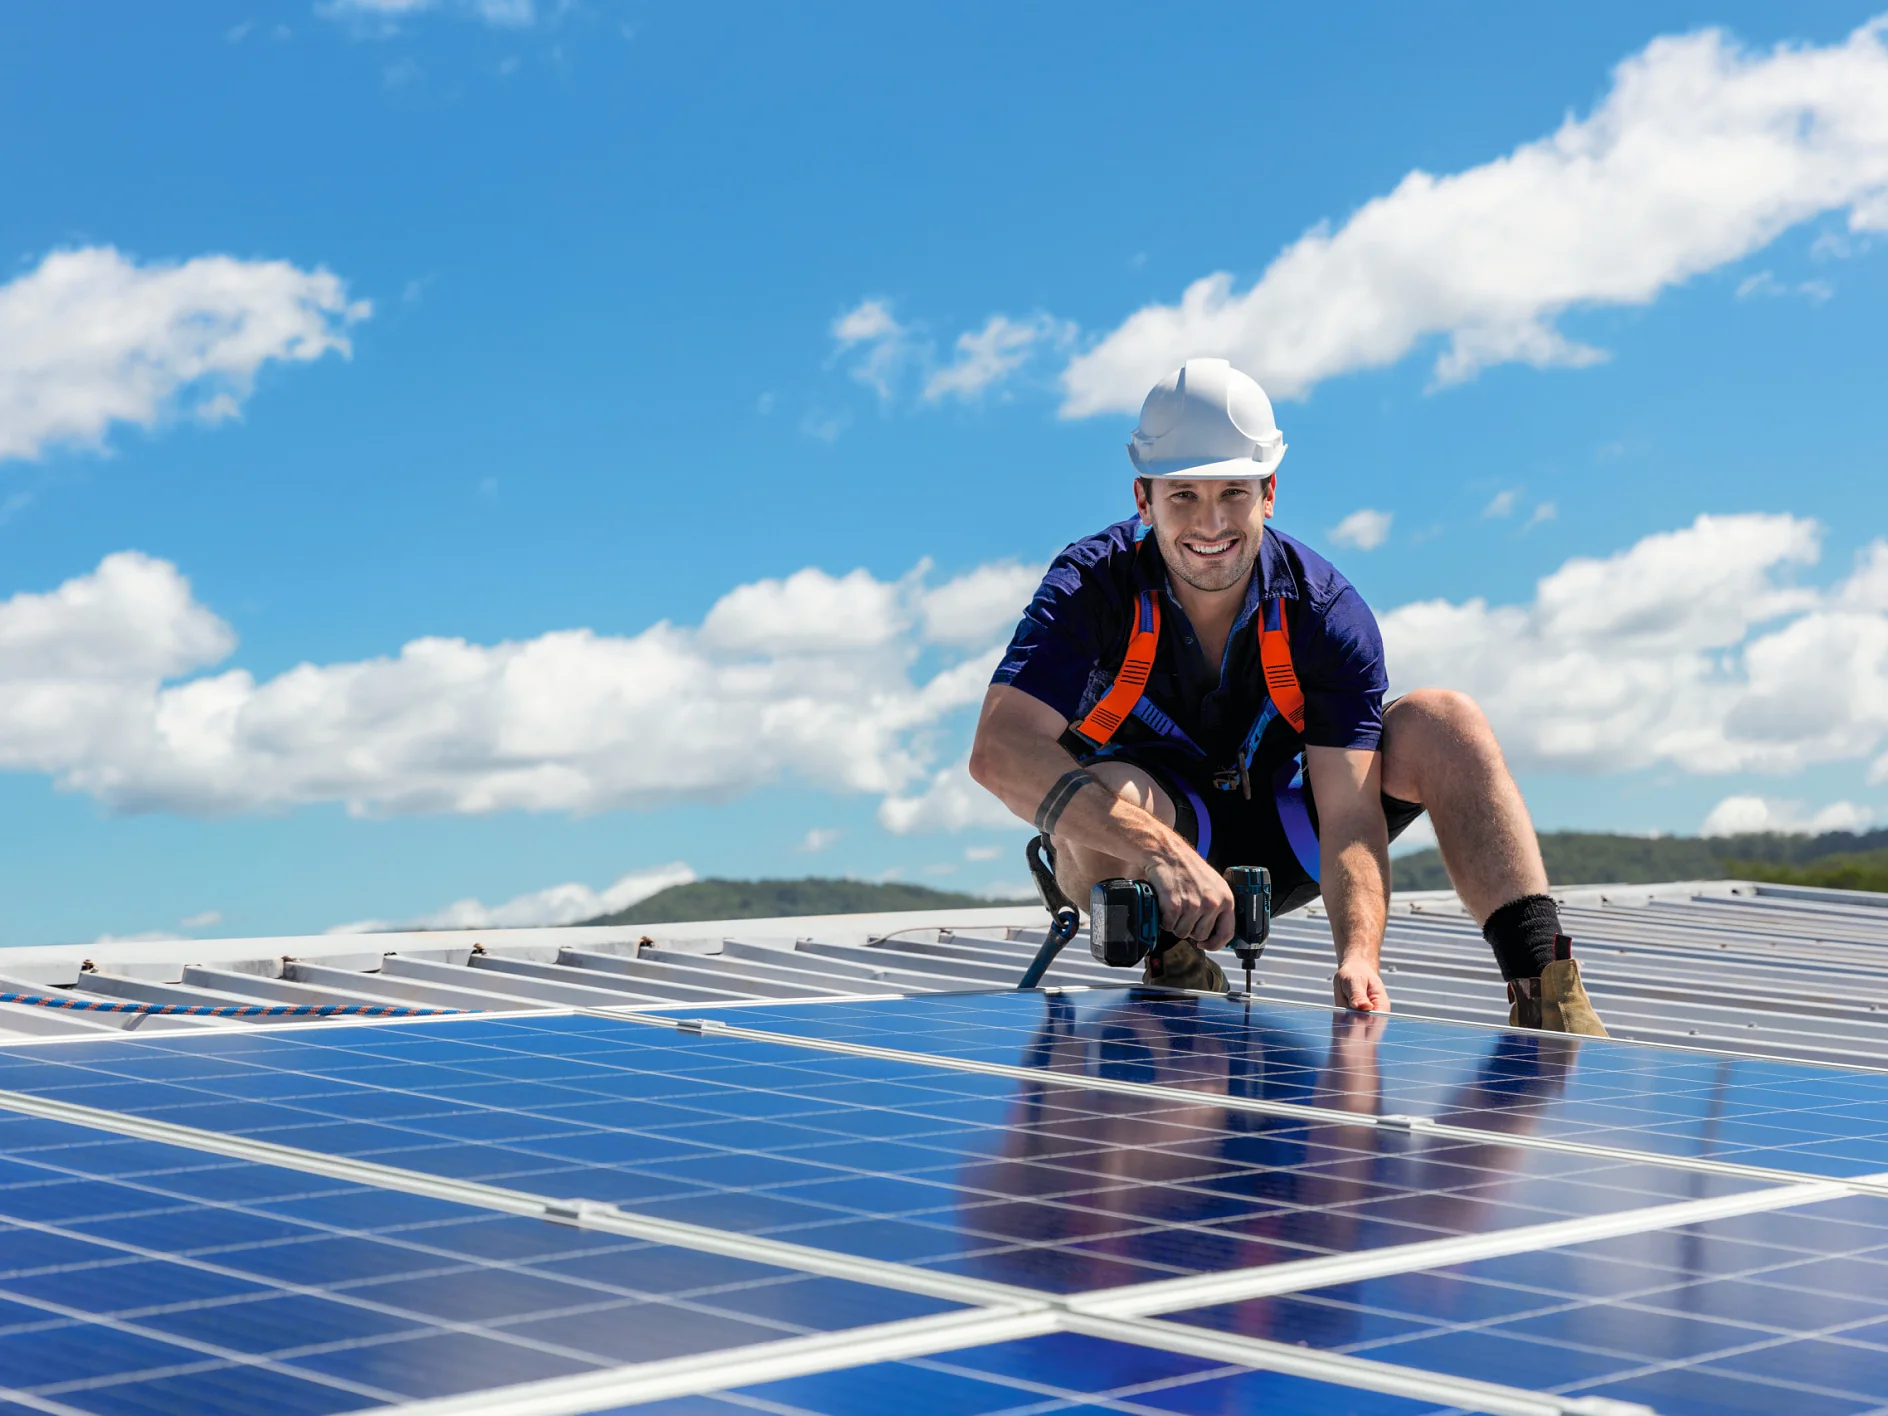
x=1043, y=1187
x=1062, y=1373
x=1816, y=1120
x=1775, y=1311
x=137, y=1276
x=286, y=1289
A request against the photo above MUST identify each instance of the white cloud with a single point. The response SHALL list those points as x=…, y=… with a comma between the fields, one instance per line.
x=868, y=320
x=819, y=838
x=950, y=801
x=89, y=338
x=1764, y=283
x=881, y=347
x=1502, y=503
x=1365, y=529
x=104, y=684
x=978, y=853
x=509, y=14
x=1545, y=512
x=1867, y=588
x=1700, y=155
x=1744, y=815
x=1690, y=647
x=569, y=903
x=826, y=427
x=879, y=351
x=989, y=355
x=980, y=606
x=810, y=612
x=203, y=920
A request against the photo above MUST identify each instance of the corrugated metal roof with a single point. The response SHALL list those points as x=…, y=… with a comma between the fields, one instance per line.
x=1736, y=966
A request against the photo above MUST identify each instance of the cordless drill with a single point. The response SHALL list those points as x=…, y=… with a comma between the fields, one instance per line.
x=1124, y=919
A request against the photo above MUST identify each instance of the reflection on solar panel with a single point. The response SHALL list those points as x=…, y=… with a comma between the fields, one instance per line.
x=1121, y=1200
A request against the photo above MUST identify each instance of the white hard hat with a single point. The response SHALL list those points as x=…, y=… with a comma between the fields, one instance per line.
x=1206, y=419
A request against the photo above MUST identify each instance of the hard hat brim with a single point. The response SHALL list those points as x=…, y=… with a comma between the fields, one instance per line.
x=1236, y=469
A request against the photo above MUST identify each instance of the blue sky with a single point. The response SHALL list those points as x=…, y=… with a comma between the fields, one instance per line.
x=376, y=323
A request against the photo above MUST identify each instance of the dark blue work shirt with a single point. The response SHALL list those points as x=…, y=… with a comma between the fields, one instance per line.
x=1075, y=633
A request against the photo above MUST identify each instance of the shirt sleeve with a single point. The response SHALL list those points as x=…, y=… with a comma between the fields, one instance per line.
x=1338, y=655
x=1061, y=639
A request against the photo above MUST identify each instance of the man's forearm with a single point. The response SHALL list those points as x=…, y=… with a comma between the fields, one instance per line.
x=1018, y=758
x=1356, y=882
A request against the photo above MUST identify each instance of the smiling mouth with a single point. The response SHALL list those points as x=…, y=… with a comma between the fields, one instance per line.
x=1211, y=550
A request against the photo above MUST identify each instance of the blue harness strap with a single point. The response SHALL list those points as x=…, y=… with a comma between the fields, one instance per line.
x=1288, y=793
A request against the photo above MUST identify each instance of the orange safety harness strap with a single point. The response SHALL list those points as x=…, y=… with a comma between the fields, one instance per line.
x=1281, y=679
x=1131, y=681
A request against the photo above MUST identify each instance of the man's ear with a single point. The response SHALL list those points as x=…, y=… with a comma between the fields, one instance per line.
x=1144, y=500
x=1271, y=495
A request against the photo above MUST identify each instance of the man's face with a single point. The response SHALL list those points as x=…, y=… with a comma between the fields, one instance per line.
x=1208, y=531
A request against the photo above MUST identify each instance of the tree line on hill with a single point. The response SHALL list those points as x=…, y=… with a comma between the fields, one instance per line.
x=1842, y=859
x=777, y=899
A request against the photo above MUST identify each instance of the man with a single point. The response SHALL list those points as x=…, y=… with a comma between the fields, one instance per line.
x=1192, y=691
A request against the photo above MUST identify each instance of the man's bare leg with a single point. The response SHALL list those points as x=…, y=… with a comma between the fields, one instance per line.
x=1439, y=751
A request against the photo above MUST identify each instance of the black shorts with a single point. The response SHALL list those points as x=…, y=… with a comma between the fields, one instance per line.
x=1277, y=827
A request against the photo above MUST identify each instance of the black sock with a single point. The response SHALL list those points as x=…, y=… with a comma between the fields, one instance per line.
x=1524, y=934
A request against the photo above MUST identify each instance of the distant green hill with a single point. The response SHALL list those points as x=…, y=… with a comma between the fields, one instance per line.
x=1840, y=858
x=771, y=899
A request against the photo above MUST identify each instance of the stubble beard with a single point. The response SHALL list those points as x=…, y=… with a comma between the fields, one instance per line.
x=1215, y=575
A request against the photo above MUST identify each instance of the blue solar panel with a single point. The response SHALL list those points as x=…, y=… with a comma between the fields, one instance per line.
x=139, y=1277
x=1818, y=1120
x=1053, y=1188
x=1057, y=1374
x=1766, y=1312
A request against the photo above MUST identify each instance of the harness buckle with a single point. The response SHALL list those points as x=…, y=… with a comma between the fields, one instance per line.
x=1235, y=778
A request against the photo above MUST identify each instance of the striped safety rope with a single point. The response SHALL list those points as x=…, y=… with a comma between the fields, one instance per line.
x=233, y=1010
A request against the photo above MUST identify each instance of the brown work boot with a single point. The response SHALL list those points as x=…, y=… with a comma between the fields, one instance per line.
x=1185, y=965
x=1556, y=1001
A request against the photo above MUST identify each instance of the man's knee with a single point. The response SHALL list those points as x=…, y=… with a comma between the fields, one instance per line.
x=1137, y=787
x=1430, y=730
x=1430, y=717
x=1077, y=868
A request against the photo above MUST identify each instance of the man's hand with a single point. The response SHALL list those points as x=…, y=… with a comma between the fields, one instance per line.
x=1195, y=900
x=1357, y=986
